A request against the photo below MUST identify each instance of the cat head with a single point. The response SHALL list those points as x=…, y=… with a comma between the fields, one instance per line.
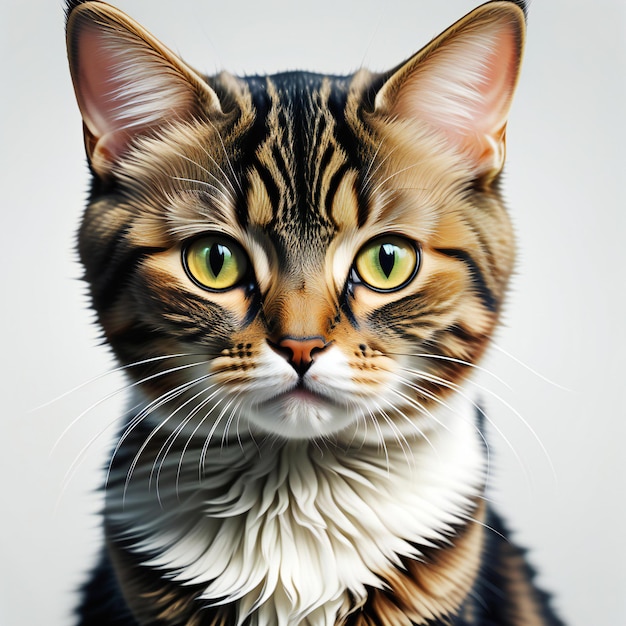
x=298, y=255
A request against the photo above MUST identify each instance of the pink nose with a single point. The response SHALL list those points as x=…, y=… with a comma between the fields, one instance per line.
x=299, y=351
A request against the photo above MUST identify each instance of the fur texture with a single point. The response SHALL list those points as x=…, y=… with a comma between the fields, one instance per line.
x=298, y=273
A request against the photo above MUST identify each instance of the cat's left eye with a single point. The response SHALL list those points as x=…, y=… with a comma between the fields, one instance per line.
x=387, y=263
x=215, y=262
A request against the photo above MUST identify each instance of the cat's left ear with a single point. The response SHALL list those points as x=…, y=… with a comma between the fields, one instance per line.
x=462, y=83
x=127, y=83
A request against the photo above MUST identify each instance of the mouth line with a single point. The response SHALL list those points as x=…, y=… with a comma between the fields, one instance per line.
x=301, y=392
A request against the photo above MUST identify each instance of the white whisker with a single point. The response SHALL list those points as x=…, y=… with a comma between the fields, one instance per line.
x=119, y=368
x=118, y=391
x=208, y=438
x=209, y=173
x=530, y=369
x=230, y=165
x=458, y=389
x=525, y=422
x=455, y=360
x=418, y=431
x=443, y=403
x=368, y=177
x=149, y=408
x=171, y=439
x=381, y=441
x=195, y=431
x=406, y=448
x=392, y=176
x=153, y=406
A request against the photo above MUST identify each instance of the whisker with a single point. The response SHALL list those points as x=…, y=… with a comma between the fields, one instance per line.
x=381, y=441
x=208, y=172
x=148, y=409
x=118, y=391
x=530, y=369
x=153, y=406
x=459, y=389
x=443, y=403
x=230, y=165
x=80, y=457
x=525, y=422
x=237, y=408
x=368, y=177
x=470, y=518
x=418, y=431
x=451, y=359
x=229, y=420
x=119, y=368
x=211, y=432
x=207, y=441
x=418, y=405
x=361, y=422
x=400, y=438
x=222, y=200
x=391, y=176
x=194, y=432
x=171, y=439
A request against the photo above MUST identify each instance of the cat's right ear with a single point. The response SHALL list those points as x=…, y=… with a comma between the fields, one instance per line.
x=127, y=83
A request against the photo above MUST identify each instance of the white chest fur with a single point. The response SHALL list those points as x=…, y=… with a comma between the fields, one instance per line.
x=287, y=530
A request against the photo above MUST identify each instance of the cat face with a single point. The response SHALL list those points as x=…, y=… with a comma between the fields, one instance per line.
x=299, y=256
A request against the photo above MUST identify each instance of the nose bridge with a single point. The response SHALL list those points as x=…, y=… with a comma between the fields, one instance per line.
x=298, y=308
x=298, y=322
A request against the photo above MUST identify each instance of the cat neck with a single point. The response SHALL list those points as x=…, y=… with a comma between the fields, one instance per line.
x=264, y=519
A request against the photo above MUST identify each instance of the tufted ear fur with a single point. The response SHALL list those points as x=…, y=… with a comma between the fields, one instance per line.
x=462, y=83
x=126, y=82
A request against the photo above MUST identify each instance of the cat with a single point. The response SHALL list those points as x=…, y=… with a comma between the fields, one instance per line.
x=298, y=273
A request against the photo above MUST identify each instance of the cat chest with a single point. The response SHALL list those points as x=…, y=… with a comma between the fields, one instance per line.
x=300, y=535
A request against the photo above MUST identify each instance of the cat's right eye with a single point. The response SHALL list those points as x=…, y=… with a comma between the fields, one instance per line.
x=215, y=262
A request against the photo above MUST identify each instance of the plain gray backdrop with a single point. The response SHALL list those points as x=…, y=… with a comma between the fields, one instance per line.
x=559, y=443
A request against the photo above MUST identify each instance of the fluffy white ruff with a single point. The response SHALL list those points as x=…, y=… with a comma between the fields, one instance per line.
x=290, y=530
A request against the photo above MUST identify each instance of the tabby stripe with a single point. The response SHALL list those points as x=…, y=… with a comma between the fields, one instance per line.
x=345, y=137
x=331, y=192
x=363, y=206
x=283, y=167
x=321, y=126
x=345, y=307
x=349, y=143
x=269, y=182
x=319, y=174
x=250, y=142
x=115, y=274
x=478, y=279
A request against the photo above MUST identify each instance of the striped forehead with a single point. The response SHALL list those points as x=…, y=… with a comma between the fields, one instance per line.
x=302, y=181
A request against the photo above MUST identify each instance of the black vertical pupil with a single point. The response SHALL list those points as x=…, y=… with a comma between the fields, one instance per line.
x=216, y=259
x=387, y=258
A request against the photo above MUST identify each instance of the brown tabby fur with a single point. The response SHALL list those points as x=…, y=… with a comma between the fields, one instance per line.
x=302, y=170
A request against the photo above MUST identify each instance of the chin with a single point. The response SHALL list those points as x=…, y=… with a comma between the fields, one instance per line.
x=301, y=414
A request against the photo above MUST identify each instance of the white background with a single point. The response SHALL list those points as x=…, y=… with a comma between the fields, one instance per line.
x=565, y=317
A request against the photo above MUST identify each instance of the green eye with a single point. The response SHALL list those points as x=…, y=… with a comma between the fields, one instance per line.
x=215, y=262
x=387, y=263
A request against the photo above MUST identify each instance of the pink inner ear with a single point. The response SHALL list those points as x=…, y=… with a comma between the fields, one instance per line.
x=499, y=78
x=105, y=96
x=494, y=93
x=96, y=85
x=464, y=89
x=125, y=81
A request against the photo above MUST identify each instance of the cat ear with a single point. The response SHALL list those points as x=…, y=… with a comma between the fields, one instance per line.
x=462, y=83
x=126, y=82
